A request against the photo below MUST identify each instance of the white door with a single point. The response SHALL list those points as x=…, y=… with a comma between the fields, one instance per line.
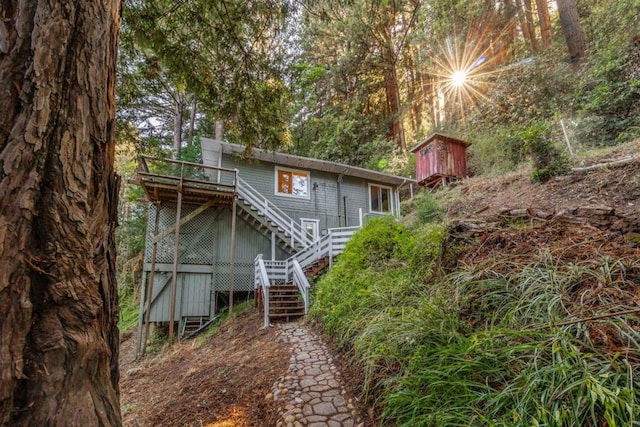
x=312, y=227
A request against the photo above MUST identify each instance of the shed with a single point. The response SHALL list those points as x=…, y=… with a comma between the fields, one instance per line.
x=440, y=158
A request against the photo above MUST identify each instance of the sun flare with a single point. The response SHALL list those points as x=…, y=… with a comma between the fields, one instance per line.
x=459, y=78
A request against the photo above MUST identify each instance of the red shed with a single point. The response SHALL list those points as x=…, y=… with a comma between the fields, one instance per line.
x=440, y=158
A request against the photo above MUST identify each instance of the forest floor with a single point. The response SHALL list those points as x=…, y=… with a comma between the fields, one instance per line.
x=222, y=380
x=616, y=185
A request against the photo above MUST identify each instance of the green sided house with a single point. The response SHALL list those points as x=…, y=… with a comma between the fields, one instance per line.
x=247, y=223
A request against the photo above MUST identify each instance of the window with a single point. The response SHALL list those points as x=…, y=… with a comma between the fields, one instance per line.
x=379, y=199
x=292, y=183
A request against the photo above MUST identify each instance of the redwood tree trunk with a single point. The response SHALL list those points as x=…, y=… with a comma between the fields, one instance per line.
x=545, y=22
x=573, y=33
x=58, y=211
x=177, y=124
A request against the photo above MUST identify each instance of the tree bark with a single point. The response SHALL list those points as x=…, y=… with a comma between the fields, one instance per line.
x=177, y=124
x=58, y=211
x=192, y=119
x=219, y=129
x=545, y=23
x=573, y=33
x=393, y=103
x=531, y=29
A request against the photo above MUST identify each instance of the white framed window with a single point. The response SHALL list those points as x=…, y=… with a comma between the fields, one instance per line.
x=292, y=183
x=380, y=200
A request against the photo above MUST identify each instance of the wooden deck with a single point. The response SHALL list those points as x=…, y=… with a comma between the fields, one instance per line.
x=163, y=179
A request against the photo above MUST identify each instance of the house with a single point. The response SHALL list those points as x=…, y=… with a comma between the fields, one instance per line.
x=440, y=159
x=216, y=227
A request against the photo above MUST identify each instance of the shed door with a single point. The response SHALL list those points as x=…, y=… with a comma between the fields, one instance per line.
x=196, y=294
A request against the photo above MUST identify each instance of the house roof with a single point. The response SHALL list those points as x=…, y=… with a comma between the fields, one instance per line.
x=306, y=162
x=441, y=137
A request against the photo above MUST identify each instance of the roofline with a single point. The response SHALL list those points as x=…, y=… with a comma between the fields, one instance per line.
x=317, y=164
x=443, y=136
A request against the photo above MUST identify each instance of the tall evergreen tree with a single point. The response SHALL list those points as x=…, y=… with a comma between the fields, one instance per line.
x=58, y=211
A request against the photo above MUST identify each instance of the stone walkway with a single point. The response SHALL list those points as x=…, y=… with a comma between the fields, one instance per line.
x=311, y=391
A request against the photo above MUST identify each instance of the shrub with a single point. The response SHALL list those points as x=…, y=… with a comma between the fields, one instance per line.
x=548, y=161
x=427, y=208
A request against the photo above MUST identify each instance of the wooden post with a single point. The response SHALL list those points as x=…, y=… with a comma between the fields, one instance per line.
x=149, y=291
x=174, y=278
x=566, y=137
x=232, y=270
x=140, y=317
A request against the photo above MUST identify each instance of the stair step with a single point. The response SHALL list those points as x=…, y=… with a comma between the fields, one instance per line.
x=288, y=315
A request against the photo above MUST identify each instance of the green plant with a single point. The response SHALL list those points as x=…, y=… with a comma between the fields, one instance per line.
x=548, y=161
x=427, y=208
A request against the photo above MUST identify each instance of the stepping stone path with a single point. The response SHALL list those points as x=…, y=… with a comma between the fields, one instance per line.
x=311, y=391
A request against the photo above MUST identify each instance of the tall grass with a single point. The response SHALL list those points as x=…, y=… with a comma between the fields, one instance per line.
x=499, y=344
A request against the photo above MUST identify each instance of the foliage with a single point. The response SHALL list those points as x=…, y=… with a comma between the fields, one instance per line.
x=610, y=91
x=128, y=304
x=427, y=208
x=548, y=161
x=484, y=344
x=380, y=287
x=225, y=55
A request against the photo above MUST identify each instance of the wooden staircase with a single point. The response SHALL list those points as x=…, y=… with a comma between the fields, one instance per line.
x=191, y=324
x=316, y=267
x=285, y=302
x=252, y=216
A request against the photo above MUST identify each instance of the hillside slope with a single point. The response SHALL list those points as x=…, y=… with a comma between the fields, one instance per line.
x=522, y=308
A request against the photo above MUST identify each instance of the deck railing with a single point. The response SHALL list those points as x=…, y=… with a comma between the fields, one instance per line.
x=170, y=171
x=292, y=229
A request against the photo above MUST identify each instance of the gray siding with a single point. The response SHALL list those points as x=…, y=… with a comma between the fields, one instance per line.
x=324, y=203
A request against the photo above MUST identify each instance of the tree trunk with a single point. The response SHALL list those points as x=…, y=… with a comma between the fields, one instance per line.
x=531, y=29
x=219, y=129
x=192, y=119
x=177, y=125
x=393, y=103
x=545, y=23
x=573, y=33
x=58, y=211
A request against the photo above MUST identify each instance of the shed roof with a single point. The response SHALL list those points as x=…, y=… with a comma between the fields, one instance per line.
x=308, y=163
x=442, y=137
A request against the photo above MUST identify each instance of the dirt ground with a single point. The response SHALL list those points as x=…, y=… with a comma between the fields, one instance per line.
x=219, y=381
x=616, y=186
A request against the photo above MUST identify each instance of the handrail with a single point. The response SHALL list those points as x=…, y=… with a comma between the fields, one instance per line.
x=293, y=267
x=330, y=245
x=182, y=162
x=262, y=281
x=269, y=209
x=300, y=280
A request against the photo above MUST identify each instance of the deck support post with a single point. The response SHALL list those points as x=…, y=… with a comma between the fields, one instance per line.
x=232, y=271
x=143, y=298
x=174, y=277
x=151, y=278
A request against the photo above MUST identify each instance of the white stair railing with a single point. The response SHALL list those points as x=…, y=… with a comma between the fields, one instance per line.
x=330, y=245
x=291, y=229
x=301, y=282
x=262, y=283
x=292, y=269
